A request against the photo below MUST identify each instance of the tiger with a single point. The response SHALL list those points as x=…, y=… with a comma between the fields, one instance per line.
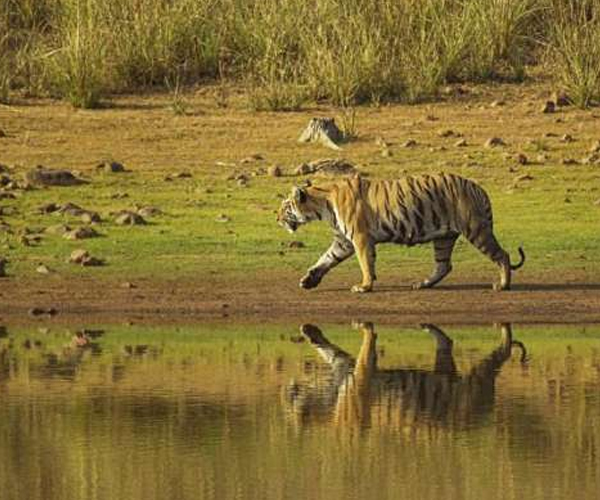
x=408, y=211
x=357, y=392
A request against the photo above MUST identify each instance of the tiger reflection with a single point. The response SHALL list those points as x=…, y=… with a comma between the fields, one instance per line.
x=357, y=392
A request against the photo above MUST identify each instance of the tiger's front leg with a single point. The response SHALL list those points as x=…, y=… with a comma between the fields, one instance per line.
x=338, y=251
x=365, y=251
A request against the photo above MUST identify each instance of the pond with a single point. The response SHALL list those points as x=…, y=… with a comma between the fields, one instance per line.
x=234, y=411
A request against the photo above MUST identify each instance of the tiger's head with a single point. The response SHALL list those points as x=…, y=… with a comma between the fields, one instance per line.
x=299, y=208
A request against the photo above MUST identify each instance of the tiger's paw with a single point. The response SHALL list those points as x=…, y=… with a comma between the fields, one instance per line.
x=310, y=280
x=361, y=288
x=499, y=287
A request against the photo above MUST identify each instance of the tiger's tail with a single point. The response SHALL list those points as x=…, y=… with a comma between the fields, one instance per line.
x=519, y=265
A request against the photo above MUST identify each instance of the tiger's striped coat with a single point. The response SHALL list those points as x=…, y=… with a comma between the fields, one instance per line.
x=408, y=211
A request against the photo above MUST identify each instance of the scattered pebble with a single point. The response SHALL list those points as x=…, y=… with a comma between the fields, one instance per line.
x=522, y=159
x=549, y=107
x=111, y=166
x=567, y=138
x=42, y=176
x=274, y=171
x=178, y=175
x=40, y=311
x=493, y=142
x=569, y=161
x=523, y=177
x=43, y=269
x=222, y=218
x=252, y=158
x=83, y=258
x=296, y=244
x=448, y=133
x=561, y=98
x=595, y=147
x=80, y=233
x=128, y=218
x=128, y=284
x=461, y=143
x=410, y=143
x=149, y=211
x=497, y=103
x=57, y=229
x=88, y=217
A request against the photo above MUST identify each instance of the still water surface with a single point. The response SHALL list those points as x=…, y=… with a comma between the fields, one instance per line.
x=276, y=412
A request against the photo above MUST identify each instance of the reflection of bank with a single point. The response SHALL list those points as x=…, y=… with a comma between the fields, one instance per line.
x=355, y=392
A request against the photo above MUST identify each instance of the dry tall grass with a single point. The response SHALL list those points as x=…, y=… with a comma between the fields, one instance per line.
x=290, y=51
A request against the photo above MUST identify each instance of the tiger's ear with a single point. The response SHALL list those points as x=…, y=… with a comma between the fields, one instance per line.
x=299, y=194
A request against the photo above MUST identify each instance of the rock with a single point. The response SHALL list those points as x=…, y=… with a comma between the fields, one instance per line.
x=497, y=104
x=89, y=217
x=222, y=218
x=42, y=176
x=111, y=166
x=431, y=118
x=128, y=218
x=71, y=209
x=242, y=183
x=178, y=175
x=567, y=138
x=561, y=98
x=522, y=159
x=550, y=134
x=387, y=152
x=523, y=177
x=461, y=143
x=49, y=208
x=43, y=269
x=592, y=159
x=549, y=107
x=410, y=143
x=80, y=233
x=149, y=211
x=569, y=161
x=57, y=229
x=128, y=285
x=296, y=244
x=493, y=142
x=83, y=258
x=252, y=158
x=3, y=263
x=323, y=131
x=274, y=171
x=541, y=158
x=448, y=133
x=381, y=142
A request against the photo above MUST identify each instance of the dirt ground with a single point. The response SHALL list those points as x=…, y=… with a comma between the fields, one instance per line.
x=144, y=133
x=280, y=300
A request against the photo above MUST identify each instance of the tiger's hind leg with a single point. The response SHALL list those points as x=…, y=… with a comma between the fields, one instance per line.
x=482, y=237
x=442, y=249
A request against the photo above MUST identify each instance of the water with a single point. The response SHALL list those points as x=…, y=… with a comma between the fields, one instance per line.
x=264, y=412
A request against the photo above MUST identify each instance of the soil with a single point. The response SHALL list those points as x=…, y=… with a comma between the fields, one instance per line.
x=278, y=299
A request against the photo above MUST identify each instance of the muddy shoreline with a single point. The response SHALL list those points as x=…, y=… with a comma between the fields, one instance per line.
x=89, y=301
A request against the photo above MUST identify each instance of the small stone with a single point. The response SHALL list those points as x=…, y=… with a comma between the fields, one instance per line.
x=386, y=153
x=523, y=177
x=431, y=118
x=461, y=143
x=569, y=161
x=410, y=143
x=43, y=269
x=497, y=103
x=550, y=134
x=80, y=233
x=274, y=171
x=592, y=159
x=83, y=258
x=296, y=244
x=149, y=211
x=567, y=200
x=541, y=158
x=128, y=218
x=561, y=98
x=549, y=107
x=222, y=218
x=381, y=142
x=447, y=133
x=89, y=217
x=111, y=166
x=252, y=158
x=128, y=285
x=567, y=138
x=48, y=208
x=522, y=159
x=57, y=229
x=493, y=142
x=242, y=183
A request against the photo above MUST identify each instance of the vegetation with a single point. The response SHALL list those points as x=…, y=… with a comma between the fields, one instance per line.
x=289, y=51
